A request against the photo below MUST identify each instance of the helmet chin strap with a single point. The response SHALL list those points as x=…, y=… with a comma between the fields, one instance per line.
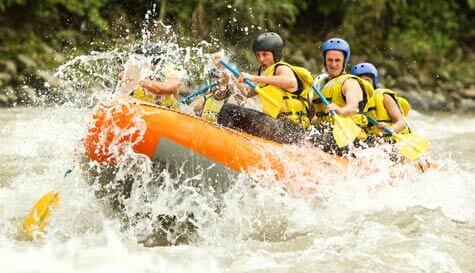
x=277, y=57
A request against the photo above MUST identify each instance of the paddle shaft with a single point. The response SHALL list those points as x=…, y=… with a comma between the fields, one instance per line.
x=198, y=92
x=385, y=128
x=237, y=74
x=322, y=97
x=273, y=113
x=345, y=131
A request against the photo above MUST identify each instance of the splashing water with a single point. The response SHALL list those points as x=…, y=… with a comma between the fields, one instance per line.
x=422, y=222
x=393, y=219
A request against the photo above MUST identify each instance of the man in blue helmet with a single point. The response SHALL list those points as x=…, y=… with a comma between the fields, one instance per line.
x=348, y=95
x=387, y=107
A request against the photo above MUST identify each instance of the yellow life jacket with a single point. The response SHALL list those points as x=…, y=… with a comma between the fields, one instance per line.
x=163, y=100
x=319, y=81
x=288, y=105
x=332, y=91
x=212, y=108
x=379, y=112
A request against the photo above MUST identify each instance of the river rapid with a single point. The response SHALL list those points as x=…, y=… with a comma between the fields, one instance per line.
x=421, y=223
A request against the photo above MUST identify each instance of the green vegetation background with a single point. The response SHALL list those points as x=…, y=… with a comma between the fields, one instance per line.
x=424, y=46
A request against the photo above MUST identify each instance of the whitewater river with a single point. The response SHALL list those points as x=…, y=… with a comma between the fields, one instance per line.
x=421, y=223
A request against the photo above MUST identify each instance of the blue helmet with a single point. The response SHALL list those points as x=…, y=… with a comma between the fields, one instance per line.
x=366, y=69
x=337, y=44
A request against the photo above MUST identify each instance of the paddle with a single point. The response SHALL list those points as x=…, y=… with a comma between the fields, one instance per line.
x=410, y=145
x=188, y=98
x=275, y=111
x=344, y=130
x=38, y=217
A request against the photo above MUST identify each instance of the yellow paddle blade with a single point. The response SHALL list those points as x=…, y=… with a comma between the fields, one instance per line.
x=412, y=146
x=274, y=110
x=344, y=130
x=37, y=218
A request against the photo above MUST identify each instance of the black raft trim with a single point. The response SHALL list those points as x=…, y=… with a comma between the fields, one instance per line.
x=259, y=124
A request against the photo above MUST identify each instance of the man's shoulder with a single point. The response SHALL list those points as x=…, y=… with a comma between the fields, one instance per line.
x=350, y=80
x=351, y=84
x=283, y=66
x=284, y=69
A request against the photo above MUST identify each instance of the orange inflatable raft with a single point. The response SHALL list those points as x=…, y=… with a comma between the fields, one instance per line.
x=161, y=133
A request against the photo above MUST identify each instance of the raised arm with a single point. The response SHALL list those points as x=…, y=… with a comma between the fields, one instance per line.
x=170, y=85
x=284, y=78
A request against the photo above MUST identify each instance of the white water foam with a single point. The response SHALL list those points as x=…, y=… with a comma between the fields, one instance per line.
x=391, y=220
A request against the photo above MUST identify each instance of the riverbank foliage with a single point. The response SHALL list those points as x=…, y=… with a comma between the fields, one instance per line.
x=419, y=45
